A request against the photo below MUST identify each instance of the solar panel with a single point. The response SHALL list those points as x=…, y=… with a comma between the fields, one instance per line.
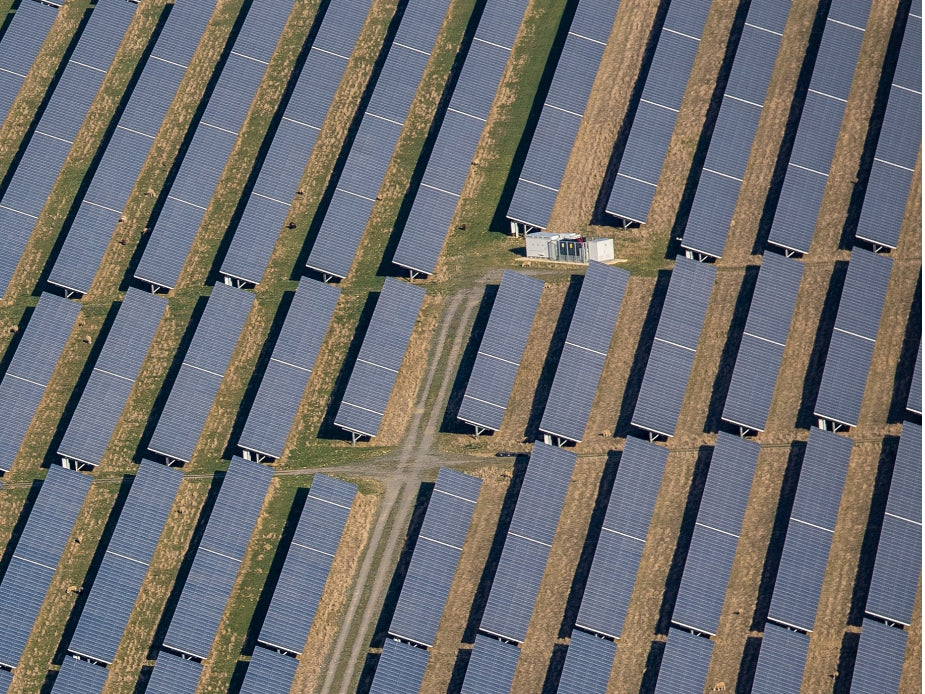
x=878, y=667
x=560, y=117
x=400, y=670
x=170, y=240
x=905, y=496
x=381, y=354
x=308, y=562
x=676, y=338
x=380, y=127
x=587, y=666
x=80, y=676
x=6, y=680
x=30, y=369
x=820, y=122
x=218, y=558
x=780, y=661
x=435, y=558
x=68, y=104
x=896, y=571
x=825, y=465
x=526, y=548
x=269, y=672
x=851, y=349
x=277, y=401
x=173, y=674
x=458, y=137
x=619, y=548
x=277, y=182
x=125, y=153
x=491, y=667
x=35, y=557
x=685, y=662
x=19, y=48
x=502, y=348
x=191, y=396
x=582, y=362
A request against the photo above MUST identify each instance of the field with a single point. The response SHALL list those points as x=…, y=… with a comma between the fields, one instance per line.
x=395, y=470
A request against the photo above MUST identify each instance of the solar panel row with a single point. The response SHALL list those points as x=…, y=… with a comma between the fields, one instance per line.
x=587, y=666
x=278, y=180
x=36, y=556
x=30, y=369
x=269, y=672
x=80, y=676
x=526, y=548
x=502, y=347
x=28, y=188
x=110, y=383
x=563, y=109
x=586, y=345
x=170, y=240
x=914, y=401
x=435, y=558
x=458, y=137
x=711, y=211
x=371, y=151
x=672, y=357
x=851, y=349
x=878, y=667
x=780, y=665
x=657, y=111
x=400, y=669
x=761, y=351
x=900, y=139
x=820, y=122
x=201, y=373
x=491, y=667
x=128, y=147
x=685, y=662
x=286, y=376
x=381, y=354
x=174, y=674
x=19, y=48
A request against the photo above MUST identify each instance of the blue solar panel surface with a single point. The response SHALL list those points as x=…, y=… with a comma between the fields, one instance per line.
x=676, y=338
x=587, y=666
x=277, y=401
x=914, y=402
x=905, y=496
x=173, y=675
x=685, y=662
x=36, y=556
x=502, y=348
x=269, y=672
x=19, y=48
x=780, y=661
x=35, y=175
x=80, y=676
x=491, y=667
x=582, y=362
x=125, y=153
x=201, y=373
x=6, y=680
x=878, y=667
x=622, y=539
x=381, y=125
x=277, y=183
x=454, y=148
x=400, y=670
x=820, y=122
x=896, y=571
x=563, y=109
x=172, y=237
x=381, y=354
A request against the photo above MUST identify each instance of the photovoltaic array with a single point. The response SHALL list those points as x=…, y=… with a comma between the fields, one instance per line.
x=35, y=558
x=301, y=582
x=35, y=175
x=761, y=351
x=852, y=347
x=714, y=202
x=277, y=401
x=174, y=674
x=491, y=667
x=30, y=369
x=278, y=181
x=170, y=240
x=878, y=666
x=381, y=354
x=400, y=669
x=371, y=151
x=582, y=361
x=201, y=373
x=19, y=47
x=676, y=338
x=900, y=139
x=80, y=676
x=783, y=655
x=111, y=381
x=654, y=121
x=454, y=149
x=685, y=663
x=588, y=663
x=563, y=109
x=124, y=155
x=914, y=401
x=498, y=359
x=123, y=569
x=820, y=122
